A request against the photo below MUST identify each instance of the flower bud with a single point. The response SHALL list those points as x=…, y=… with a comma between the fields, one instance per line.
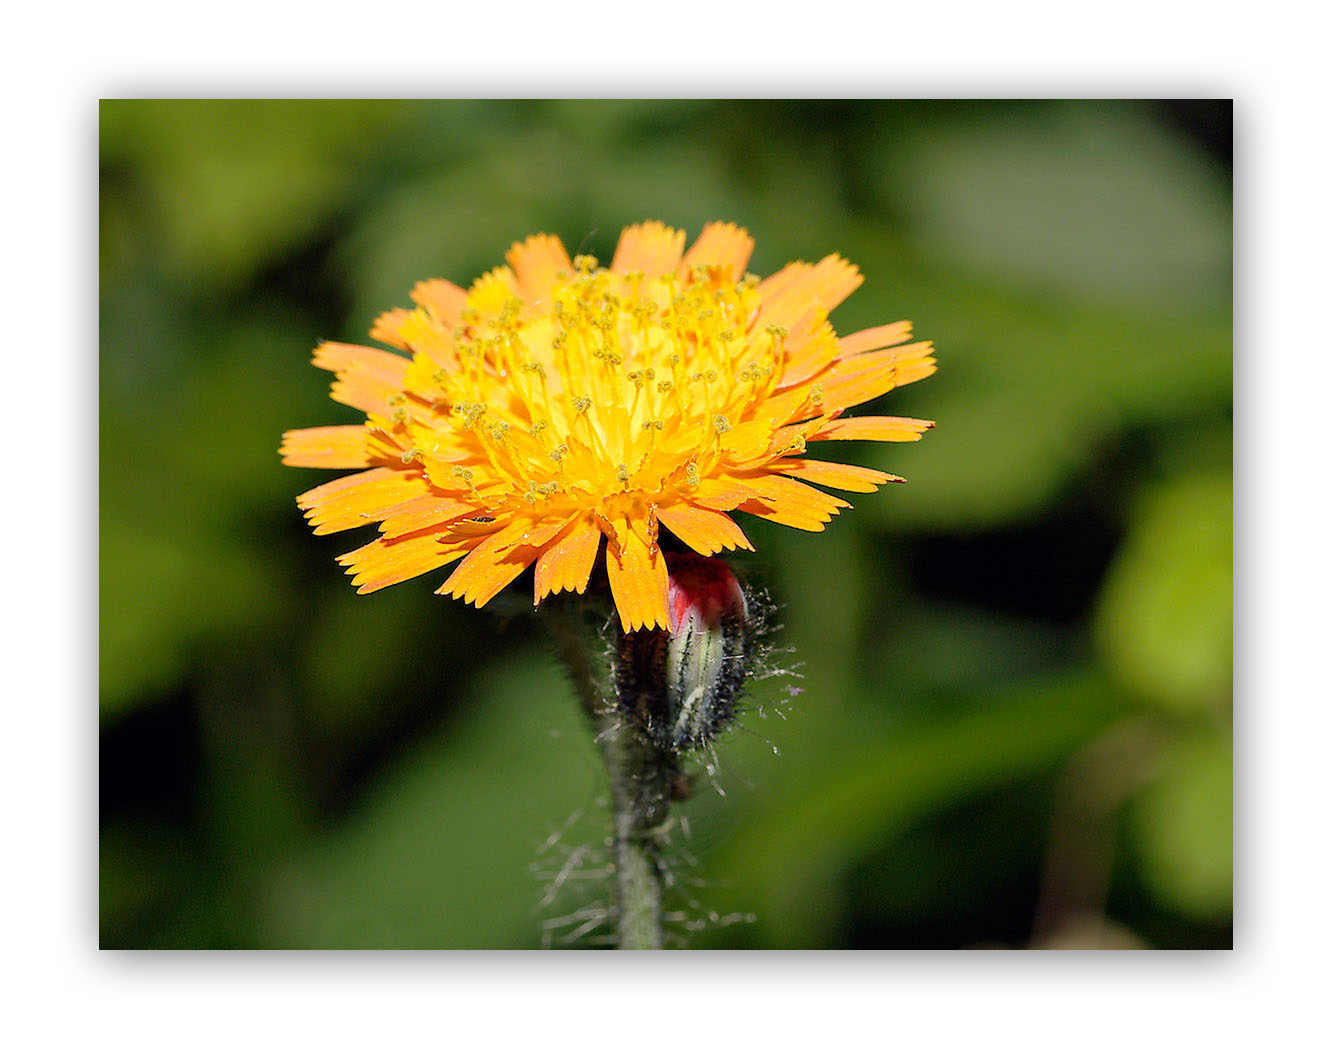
x=680, y=686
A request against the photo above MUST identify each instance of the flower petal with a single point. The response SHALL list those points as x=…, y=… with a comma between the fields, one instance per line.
x=788, y=502
x=651, y=248
x=810, y=347
x=359, y=499
x=423, y=512
x=489, y=293
x=344, y=357
x=720, y=244
x=329, y=447
x=388, y=561
x=535, y=263
x=836, y=475
x=493, y=564
x=786, y=294
x=366, y=377
x=387, y=327
x=638, y=583
x=873, y=338
x=706, y=531
x=566, y=564
x=442, y=298
x=719, y=493
x=872, y=428
x=869, y=375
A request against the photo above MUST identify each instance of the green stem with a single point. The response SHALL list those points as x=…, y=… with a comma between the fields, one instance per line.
x=641, y=775
x=640, y=781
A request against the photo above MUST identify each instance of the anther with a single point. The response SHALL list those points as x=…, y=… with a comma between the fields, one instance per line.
x=470, y=412
x=721, y=424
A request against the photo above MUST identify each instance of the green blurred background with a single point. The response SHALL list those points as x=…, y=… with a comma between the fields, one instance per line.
x=1013, y=727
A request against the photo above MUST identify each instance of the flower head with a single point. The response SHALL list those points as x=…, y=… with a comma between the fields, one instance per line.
x=557, y=402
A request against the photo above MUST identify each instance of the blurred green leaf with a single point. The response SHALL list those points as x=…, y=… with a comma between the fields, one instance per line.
x=1094, y=199
x=153, y=619
x=228, y=182
x=1165, y=622
x=186, y=496
x=1182, y=828
x=441, y=850
x=786, y=857
x=1028, y=392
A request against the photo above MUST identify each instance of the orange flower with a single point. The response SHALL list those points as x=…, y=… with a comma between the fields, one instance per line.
x=556, y=402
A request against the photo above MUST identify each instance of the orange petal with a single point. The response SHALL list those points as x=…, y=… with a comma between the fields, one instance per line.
x=359, y=499
x=748, y=441
x=366, y=377
x=868, y=375
x=788, y=502
x=720, y=244
x=773, y=288
x=874, y=338
x=388, y=561
x=706, y=531
x=540, y=534
x=717, y=493
x=652, y=248
x=567, y=563
x=423, y=512
x=364, y=395
x=873, y=428
x=427, y=337
x=492, y=565
x=535, y=262
x=442, y=298
x=835, y=475
x=339, y=486
x=388, y=327
x=342, y=357
x=332, y=447
x=788, y=293
x=833, y=280
x=638, y=583
x=810, y=347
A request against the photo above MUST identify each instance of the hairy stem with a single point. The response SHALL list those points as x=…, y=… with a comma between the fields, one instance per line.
x=640, y=782
x=641, y=775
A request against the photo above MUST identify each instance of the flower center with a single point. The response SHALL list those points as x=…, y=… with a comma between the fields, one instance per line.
x=620, y=384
